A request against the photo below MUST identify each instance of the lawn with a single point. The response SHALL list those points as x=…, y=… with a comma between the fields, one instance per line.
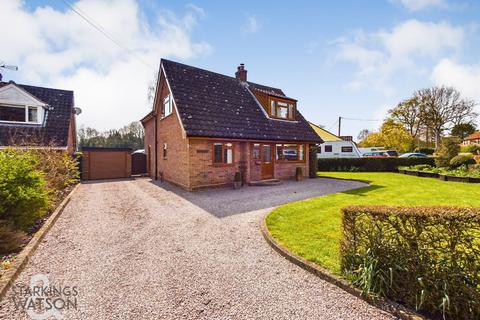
x=312, y=228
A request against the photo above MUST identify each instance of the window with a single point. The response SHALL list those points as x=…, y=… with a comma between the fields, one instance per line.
x=282, y=109
x=18, y=113
x=222, y=153
x=164, y=151
x=328, y=148
x=256, y=151
x=167, y=106
x=347, y=149
x=289, y=152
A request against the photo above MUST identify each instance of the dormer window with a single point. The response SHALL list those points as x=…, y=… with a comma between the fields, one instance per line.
x=16, y=113
x=282, y=109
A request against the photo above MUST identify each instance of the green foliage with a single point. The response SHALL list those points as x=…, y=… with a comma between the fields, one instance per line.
x=130, y=136
x=472, y=148
x=463, y=130
x=427, y=151
x=426, y=257
x=448, y=149
x=369, y=164
x=237, y=177
x=312, y=162
x=23, y=196
x=462, y=160
x=392, y=135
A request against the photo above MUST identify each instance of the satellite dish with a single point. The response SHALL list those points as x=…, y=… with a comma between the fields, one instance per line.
x=77, y=110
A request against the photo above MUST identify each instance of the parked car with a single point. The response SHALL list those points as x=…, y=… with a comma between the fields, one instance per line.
x=392, y=153
x=413, y=155
x=376, y=154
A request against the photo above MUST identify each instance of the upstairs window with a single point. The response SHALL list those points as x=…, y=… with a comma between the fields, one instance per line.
x=18, y=114
x=282, y=109
x=222, y=153
x=167, y=106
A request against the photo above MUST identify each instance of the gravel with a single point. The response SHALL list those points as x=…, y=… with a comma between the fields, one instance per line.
x=138, y=250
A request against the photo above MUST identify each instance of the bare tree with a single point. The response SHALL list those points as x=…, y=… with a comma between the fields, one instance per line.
x=363, y=134
x=441, y=108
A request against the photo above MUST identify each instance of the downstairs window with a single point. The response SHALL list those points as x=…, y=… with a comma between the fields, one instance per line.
x=222, y=153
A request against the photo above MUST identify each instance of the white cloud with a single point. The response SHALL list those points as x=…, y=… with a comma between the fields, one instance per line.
x=416, y=5
x=59, y=49
x=252, y=25
x=380, y=55
x=465, y=78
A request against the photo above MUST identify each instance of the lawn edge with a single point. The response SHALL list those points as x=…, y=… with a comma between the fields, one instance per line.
x=389, y=306
x=23, y=257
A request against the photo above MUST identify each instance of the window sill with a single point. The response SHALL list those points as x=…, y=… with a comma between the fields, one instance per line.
x=286, y=161
x=164, y=117
x=223, y=164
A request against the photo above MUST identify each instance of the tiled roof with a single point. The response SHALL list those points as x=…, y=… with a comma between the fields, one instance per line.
x=57, y=119
x=473, y=136
x=215, y=105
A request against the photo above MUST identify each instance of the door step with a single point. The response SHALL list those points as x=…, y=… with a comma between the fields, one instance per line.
x=265, y=183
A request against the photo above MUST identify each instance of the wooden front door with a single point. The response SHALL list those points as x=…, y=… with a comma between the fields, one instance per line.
x=267, y=161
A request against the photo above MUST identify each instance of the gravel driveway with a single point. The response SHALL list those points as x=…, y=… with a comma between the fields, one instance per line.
x=137, y=250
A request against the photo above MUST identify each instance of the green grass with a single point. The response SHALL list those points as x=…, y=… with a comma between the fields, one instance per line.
x=312, y=228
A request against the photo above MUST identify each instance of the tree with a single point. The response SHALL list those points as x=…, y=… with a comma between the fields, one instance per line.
x=131, y=136
x=463, y=130
x=392, y=135
x=363, y=134
x=441, y=108
x=449, y=148
x=408, y=113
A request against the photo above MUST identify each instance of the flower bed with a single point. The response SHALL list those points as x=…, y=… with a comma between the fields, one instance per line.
x=467, y=175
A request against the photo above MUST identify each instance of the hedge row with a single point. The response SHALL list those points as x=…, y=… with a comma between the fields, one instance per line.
x=370, y=164
x=425, y=257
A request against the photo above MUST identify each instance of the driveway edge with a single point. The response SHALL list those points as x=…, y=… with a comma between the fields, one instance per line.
x=381, y=303
x=22, y=258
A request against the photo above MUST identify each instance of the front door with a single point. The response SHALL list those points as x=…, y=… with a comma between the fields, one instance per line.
x=267, y=161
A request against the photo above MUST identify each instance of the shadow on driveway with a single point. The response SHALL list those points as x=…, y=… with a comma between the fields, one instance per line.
x=226, y=202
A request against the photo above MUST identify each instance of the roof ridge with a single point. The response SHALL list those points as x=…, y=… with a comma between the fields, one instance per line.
x=29, y=85
x=218, y=73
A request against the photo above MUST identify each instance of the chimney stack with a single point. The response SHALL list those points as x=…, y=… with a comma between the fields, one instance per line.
x=241, y=73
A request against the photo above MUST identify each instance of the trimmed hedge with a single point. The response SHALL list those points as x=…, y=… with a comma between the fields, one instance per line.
x=370, y=164
x=427, y=258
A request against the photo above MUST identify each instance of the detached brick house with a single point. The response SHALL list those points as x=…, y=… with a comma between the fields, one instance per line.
x=473, y=139
x=205, y=127
x=37, y=117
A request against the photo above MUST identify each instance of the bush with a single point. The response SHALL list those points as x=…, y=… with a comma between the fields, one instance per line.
x=312, y=161
x=449, y=148
x=425, y=257
x=462, y=160
x=473, y=148
x=23, y=197
x=11, y=240
x=237, y=177
x=427, y=151
x=370, y=164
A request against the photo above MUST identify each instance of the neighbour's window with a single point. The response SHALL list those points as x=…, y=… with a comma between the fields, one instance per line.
x=164, y=151
x=18, y=114
x=289, y=152
x=328, y=148
x=223, y=153
x=256, y=151
x=347, y=149
x=319, y=149
x=281, y=109
x=167, y=106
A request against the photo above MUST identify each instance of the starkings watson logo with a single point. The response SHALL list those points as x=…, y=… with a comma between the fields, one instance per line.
x=42, y=301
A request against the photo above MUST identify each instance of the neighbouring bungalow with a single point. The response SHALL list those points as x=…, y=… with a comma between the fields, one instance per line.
x=205, y=127
x=37, y=117
x=473, y=139
x=335, y=146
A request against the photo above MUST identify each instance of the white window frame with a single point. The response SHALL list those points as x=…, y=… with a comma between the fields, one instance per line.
x=26, y=108
x=167, y=106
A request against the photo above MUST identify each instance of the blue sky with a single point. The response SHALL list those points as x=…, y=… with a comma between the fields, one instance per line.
x=353, y=59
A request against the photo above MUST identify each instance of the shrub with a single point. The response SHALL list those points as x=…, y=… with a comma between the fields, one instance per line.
x=11, y=240
x=473, y=148
x=425, y=257
x=312, y=161
x=427, y=151
x=237, y=177
x=449, y=148
x=23, y=197
x=462, y=160
x=370, y=164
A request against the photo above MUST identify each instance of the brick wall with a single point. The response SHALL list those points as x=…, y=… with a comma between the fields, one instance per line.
x=149, y=127
x=285, y=170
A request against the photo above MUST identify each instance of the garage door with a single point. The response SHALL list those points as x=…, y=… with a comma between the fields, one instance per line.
x=106, y=163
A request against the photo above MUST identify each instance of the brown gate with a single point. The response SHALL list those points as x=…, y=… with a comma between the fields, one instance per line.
x=139, y=163
x=106, y=163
